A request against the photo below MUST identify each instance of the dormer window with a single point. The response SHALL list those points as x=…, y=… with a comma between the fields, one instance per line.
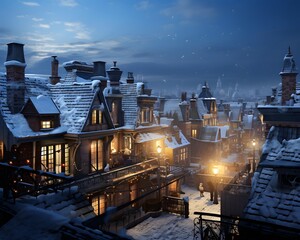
x=97, y=116
x=41, y=113
x=46, y=125
x=146, y=115
x=289, y=180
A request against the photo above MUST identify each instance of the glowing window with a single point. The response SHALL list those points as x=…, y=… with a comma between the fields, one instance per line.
x=46, y=124
x=194, y=133
x=96, y=117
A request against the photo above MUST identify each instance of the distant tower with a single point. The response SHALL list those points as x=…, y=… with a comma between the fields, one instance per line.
x=288, y=77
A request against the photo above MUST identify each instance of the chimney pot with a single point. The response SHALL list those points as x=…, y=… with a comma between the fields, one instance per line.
x=130, y=78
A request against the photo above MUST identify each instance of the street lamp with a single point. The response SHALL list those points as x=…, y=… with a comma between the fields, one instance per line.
x=253, y=160
x=158, y=149
x=215, y=172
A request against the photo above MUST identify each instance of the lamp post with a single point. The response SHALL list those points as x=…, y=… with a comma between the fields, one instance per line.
x=158, y=149
x=215, y=172
x=253, y=160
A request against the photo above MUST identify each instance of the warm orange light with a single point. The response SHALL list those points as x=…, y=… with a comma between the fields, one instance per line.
x=215, y=170
x=158, y=149
x=253, y=143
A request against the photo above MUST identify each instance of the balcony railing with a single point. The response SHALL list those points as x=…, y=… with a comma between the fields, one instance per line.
x=98, y=180
x=216, y=226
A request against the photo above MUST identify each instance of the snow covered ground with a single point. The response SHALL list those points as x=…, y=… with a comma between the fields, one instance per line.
x=172, y=226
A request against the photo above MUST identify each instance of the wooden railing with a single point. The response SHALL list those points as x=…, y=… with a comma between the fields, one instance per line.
x=216, y=226
x=101, y=180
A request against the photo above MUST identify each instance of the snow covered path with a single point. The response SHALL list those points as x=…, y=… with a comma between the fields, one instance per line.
x=172, y=226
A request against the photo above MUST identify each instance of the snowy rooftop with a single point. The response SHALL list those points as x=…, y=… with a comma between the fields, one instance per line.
x=273, y=199
x=72, y=99
x=48, y=213
x=44, y=105
x=173, y=143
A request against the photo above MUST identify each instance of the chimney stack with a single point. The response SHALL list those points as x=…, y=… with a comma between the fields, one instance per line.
x=99, y=69
x=130, y=78
x=114, y=75
x=99, y=73
x=288, y=77
x=54, y=71
x=15, y=62
x=15, y=74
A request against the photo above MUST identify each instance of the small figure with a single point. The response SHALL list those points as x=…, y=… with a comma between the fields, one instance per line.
x=201, y=189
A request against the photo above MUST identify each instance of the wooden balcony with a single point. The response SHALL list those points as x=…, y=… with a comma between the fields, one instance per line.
x=98, y=181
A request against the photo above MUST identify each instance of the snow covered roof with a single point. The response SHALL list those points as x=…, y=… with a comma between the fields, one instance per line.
x=171, y=106
x=146, y=137
x=173, y=143
x=72, y=99
x=16, y=123
x=224, y=131
x=210, y=133
x=44, y=105
x=272, y=200
x=278, y=152
x=47, y=215
x=270, y=203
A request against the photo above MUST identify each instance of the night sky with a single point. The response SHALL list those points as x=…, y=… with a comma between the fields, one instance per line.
x=169, y=44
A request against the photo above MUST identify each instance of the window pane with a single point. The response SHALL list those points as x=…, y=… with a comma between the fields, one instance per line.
x=50, y=158
x=100, y=154
x=58, y=158
x=46, y=124
x=94, y=116
x=94, y=155
x=95, y=205
x=100, y=117
x=44, y=158
x=67, y=164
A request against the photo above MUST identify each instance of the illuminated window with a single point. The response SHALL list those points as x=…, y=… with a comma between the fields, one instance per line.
x=194, y=133
x=46, y=124
x=173, y=187
x=146, y=115
x=67, y=164
x=127, y=142
x=96, y=116
x=183, y=154
x=96, y=155
x=55, y=158
x=1, y=150
x=98, y=203
x=114, y=145
x=114, y=113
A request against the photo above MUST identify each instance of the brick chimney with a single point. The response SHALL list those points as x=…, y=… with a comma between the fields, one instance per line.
x=15, y=74
x=54, y=71
x=114, y=75
x=288, y=77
